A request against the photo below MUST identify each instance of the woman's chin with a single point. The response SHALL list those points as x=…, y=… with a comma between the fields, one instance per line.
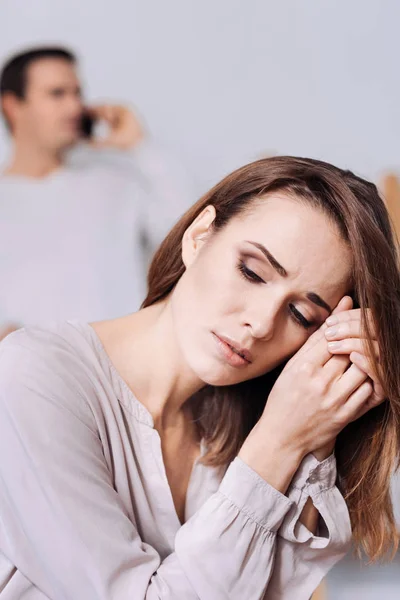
x=220, y=376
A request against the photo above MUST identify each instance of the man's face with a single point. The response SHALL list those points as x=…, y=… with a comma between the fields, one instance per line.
x=50, y=113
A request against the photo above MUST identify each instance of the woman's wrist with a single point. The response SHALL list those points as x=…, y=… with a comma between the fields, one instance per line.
x=273, y=460
x=325, y=451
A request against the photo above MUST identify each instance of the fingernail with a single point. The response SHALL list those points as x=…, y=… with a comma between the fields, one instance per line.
x=357, y=356
x=332, y=320
x=331, y=332
x=334, y=345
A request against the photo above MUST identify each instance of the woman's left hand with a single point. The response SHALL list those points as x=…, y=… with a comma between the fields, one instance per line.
x=344, y=335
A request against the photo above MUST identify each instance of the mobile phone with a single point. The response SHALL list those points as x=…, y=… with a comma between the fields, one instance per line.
x=87, y=125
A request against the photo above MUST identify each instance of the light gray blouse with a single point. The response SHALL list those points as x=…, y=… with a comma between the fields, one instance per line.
x=86, y=512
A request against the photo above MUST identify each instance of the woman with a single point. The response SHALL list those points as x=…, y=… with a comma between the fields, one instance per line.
x=186, y=451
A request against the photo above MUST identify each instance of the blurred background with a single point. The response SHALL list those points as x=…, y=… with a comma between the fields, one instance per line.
x=223, y=82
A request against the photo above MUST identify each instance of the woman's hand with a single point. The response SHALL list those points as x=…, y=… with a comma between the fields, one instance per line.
x=345, y=337
x=317, y=394
x=314, y=398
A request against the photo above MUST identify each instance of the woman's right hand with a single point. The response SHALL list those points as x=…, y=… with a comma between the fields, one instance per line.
x=313, y=399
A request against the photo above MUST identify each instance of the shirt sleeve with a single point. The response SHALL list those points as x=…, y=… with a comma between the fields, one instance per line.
x=167, y=191
x=64, y=526
x=303, y=558
x=157, y=183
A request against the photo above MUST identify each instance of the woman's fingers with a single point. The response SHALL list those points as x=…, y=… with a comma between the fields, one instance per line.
x=363, y=400
x=350, y=381
x=344, y=338
x=361, y=361
x=349, y=345
x=315, y=350
x=336, y=366
x=345, y=305
x=361, y=372
x=371, y=402
x=357, y=403
x=354, y=314
x=347, y=325
x=364, y=364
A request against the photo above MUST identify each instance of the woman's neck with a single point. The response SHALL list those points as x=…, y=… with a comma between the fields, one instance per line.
x=143, y=349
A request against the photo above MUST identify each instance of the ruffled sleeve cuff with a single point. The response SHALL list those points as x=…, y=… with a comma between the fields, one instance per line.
x=316, y=480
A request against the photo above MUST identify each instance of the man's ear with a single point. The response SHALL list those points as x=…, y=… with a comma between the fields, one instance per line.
x=9, y=107
x=196, y=234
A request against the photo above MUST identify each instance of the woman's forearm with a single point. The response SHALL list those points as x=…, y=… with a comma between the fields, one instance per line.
x=275, y=463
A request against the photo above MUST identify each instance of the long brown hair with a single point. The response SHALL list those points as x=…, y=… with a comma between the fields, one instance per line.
x=367, y=450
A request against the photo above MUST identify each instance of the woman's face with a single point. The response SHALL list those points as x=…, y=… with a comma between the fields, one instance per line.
x=253, y=292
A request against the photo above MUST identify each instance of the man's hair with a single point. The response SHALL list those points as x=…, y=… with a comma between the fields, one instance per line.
x=13, y=76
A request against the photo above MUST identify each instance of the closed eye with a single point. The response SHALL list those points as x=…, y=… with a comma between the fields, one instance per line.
x=251, y=276
x=248, y=274
x=299, y=318
x=58, y=92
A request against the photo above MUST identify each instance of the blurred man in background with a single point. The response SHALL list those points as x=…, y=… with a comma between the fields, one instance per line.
x=72, y=237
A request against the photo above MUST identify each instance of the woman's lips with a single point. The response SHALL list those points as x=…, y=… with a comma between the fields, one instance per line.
x=234, y=355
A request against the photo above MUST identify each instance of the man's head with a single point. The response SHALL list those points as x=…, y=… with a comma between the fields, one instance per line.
x=41, y=98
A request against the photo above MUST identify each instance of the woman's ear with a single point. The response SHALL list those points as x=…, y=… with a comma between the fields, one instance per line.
x=196, y=234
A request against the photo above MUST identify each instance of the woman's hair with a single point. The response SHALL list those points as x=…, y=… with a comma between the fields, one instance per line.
x=366, y=450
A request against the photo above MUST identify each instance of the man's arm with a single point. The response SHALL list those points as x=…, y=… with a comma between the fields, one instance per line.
x=162, y=189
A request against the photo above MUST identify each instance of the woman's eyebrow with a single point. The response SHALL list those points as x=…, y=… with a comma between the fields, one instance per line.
x=318, y=301
x=312, y=296
x=271, y=259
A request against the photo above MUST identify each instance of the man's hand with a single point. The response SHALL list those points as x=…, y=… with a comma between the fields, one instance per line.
x=125, y=129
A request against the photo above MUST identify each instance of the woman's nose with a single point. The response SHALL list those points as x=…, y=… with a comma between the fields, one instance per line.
x=261, y=329
x=262, y=323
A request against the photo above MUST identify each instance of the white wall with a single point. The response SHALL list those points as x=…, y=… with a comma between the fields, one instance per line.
x=223, y=81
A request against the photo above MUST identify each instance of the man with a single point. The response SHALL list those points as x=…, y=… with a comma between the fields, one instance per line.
x=71, y=237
